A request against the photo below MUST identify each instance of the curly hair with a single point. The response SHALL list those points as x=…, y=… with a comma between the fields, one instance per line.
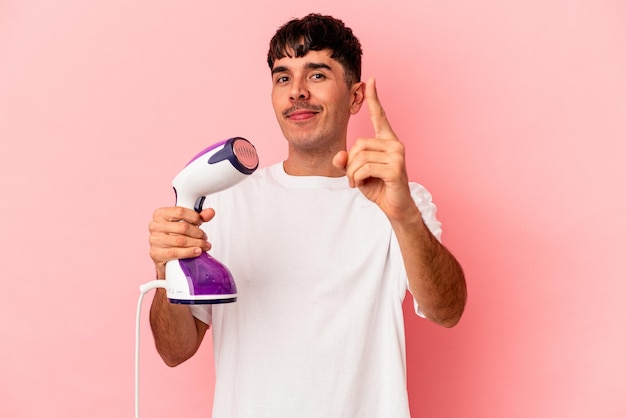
x=316, y=32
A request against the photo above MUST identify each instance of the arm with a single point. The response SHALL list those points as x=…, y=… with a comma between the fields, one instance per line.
x=436, y=279
x=177, y=334
x=377, y=167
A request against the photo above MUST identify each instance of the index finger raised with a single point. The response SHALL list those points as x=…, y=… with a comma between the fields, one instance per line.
x=382, y=128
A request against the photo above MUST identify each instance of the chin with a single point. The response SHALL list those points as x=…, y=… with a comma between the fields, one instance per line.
x=303, y=139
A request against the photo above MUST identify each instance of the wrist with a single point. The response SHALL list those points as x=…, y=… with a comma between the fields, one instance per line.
x=409, y=216
x=409, y=224
x=160, y=272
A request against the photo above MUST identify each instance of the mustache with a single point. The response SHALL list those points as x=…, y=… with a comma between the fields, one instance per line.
x=302, y=106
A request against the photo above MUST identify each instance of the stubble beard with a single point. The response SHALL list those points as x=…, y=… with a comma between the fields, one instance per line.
x=315, y=146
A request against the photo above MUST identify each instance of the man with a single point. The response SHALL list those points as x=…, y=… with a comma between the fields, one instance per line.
x=323, y=247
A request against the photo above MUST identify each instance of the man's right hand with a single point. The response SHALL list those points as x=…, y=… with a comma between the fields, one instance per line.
x=172, y=239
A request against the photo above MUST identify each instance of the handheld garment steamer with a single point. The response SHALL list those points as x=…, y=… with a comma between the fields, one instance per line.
x=203, y=279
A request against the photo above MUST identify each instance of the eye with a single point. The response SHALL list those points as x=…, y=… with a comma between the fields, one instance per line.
x=281, y=79
x=318, y=76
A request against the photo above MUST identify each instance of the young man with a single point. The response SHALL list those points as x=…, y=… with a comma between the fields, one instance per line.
x=323, y=247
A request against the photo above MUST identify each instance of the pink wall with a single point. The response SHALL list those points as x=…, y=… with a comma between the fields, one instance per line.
x=513, y=114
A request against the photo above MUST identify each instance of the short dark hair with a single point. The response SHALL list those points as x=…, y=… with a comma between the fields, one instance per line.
x=316, y=32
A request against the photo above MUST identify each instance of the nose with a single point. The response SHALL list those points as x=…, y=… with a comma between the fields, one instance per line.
x=298, y=91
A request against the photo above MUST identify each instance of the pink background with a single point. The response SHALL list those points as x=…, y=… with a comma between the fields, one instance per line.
x=513, y=114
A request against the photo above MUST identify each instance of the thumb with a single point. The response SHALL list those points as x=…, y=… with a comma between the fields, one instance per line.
x=340, y=160
x=207, y=214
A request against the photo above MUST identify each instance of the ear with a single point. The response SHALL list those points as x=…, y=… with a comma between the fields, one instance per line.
x=357, y=92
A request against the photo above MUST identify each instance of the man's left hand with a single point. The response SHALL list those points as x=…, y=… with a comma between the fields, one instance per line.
x=377, y=165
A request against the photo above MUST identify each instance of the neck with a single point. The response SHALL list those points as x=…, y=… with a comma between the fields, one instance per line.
x=312, y=164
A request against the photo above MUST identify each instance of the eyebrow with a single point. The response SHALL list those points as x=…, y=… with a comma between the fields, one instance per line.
x=309, y=66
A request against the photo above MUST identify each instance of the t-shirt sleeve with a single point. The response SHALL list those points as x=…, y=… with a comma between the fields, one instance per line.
x=202, y=312
x=424, y=201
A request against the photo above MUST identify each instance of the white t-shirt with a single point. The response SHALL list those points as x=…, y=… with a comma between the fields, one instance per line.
x=317, y=330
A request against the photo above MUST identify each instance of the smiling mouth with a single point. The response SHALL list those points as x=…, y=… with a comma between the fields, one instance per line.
x=298, y=112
